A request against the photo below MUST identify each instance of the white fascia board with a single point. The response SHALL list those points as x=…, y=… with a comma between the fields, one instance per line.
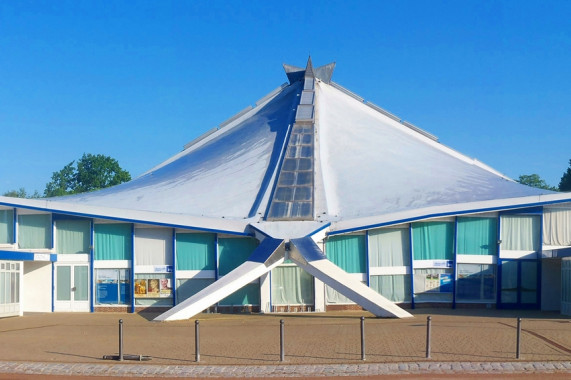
x=360, y=224
x=134, y=216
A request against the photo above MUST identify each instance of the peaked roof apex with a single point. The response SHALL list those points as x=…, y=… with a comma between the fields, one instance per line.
x=295, y=73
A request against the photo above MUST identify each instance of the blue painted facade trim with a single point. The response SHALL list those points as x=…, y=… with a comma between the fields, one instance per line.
x=127, y=220
x=216, y=257
x=455, y=267
x=319, y=229
x=411, y=266
x=132, y=274
x=444, y=214
x=173, y=286
x=15, y=226
x=24, y=256
x=53, y=286
x=91, y=268
x=367, y=258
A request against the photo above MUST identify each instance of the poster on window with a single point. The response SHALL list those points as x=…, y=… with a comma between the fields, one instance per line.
x=166, y=288
x=140, y=288
x=438, y=283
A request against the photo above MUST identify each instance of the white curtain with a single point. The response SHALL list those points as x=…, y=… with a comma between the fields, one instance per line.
x=389, y=247
x=520, y=232
x=394, y=287
x=6, y=226
x=291, y=285
x=153, y=246
x=557, y=226
x=332, y=296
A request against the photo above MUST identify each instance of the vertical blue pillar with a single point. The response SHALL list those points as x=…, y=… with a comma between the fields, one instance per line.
x=92, y=269
x=411, y=266
x=173, y=286
x=455, y=266
x=367, y=253
x=132, y=267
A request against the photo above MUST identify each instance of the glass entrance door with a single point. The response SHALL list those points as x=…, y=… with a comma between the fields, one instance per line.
x=519, y=284
x=71, y=287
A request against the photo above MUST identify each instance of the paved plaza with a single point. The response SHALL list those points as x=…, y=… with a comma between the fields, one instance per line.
x=316, y=344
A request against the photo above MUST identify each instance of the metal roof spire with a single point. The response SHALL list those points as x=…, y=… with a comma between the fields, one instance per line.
x=295, y=74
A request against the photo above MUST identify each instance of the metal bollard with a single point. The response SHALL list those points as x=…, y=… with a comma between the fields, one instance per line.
x=428, y=322
x=282, y=355
x=120, y=340
x=518, y=338
x=196, y=341
x=362, y=338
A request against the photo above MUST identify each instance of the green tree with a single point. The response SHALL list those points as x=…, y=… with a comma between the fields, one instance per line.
x=21, y=193
x=565, y=184
x=534, y=180
x=92, y=172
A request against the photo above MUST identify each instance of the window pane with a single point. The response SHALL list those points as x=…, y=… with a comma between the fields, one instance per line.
x=291, y=285
x=195, y=251
x=113, y=241
x=234, y=252
x=73, y=236
x=34, y=231
x=348, y=252
x=80, y=279
x=476, y=282
x=520, y=232
x=393, y=287
x=477, y=236
x=6, y=226
x=389, y=247
x=63, y=285
x=433, y=240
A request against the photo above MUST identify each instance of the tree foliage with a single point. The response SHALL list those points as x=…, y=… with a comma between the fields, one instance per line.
x=565, y=184
x=21, y=193
x=91, y=172
x=534, y=180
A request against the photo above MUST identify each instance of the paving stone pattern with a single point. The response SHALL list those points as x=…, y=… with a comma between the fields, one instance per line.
x=327, y=344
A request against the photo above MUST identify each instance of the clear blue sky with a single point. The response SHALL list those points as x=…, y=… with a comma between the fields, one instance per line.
x=136, y=80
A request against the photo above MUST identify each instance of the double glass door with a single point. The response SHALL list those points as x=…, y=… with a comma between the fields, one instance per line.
x=71, y=287
x=519, y=284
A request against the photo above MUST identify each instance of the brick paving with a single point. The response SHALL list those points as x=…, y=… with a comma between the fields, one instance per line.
x=316, y=345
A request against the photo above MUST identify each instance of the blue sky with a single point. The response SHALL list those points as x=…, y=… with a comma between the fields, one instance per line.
x=136, y=80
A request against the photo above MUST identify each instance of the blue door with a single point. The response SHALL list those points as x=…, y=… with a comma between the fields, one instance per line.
x=519, y=284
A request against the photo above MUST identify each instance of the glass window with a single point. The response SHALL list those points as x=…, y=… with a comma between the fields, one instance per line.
x=34, y=231
x=348, y=252
x=389, y=247
x=6, y=226
x=189, y=287
x=113, y=241
x=291, y=285
x=433, y=240
x=73, y=236
x=195, y=251
x=153, y=246
x=476, y=282
x=520, y=232
x=112, y=287
x=153, y=289
x=433, y=285
x=393, y=287
x=234, y=252
x=477, y=236
x=248, y=295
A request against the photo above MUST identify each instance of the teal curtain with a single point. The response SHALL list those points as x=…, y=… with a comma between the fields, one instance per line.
x=113, y=241
x=477, y=236
x=6, y=226
x=195, y=251
x=521, y=232
x=389, y=247
x=433, y=240
x=291, y=285
x=234, y=252
x=73, y=236
x=189, y=287
x=34, y=231
x=248, y=295
x=393, y=287
x=348, y=252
